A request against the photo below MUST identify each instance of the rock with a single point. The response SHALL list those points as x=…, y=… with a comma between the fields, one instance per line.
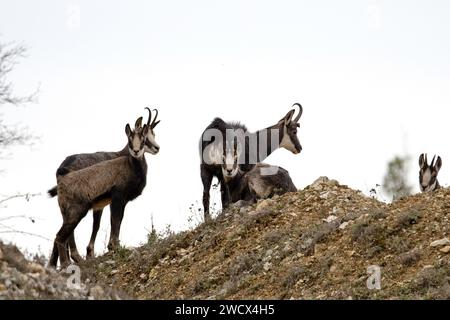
x=2, y=287
x=441, y=242
x=110, y=262
x=143, y=276
x=267, y=266
x=182, y=252
x=113, y=272
x=317, y=184
x=241, y=204
x=36, y=268
x=445, y=249
x=264, y=204
x=97, y=292
x=330, y=219
x=244, y=210
x=344, y=225
x=333, y=183
x=324, y=195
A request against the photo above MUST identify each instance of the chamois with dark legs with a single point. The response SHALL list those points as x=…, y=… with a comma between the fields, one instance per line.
x=80, y=161
x=428, y=173
x=114, y=182
x=252, y=148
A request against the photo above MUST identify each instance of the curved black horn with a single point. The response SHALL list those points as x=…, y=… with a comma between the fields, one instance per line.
x=432, y=161
x=154, y=119
x=149, y=115
x=300, y=111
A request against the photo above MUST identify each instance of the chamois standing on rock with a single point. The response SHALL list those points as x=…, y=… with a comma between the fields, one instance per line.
x=428, y=173
x=80, y=161
x=114, y=182
x=252, y=148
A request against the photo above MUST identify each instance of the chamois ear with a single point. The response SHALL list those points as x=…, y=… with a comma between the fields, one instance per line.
x=138, y=123
x=423, y=161
x=438, y=164
x=145, y=130
x=128, y=130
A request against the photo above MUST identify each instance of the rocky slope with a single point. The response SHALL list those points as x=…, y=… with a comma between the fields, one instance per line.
x=312, y=244
x=24, y=279
x=317, y=243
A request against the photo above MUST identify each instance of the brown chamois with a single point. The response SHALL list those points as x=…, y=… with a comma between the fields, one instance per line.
x=80, y=161
x=252, y=148
x=114, y=182
x=428, y=173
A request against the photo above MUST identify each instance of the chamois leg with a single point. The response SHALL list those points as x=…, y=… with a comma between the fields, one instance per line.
x=117, y=210
x=225, y=195
x=61, y=241
x=54, y=257
x=95, y=226
x=207, y=177
x=71, y=218
x=76, y=257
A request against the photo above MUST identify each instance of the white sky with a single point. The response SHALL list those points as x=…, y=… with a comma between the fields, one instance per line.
x=373, y=78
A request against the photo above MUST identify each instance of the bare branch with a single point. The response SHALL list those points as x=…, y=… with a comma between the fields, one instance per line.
x=9, y=55
x=27, y=197
x=12, y=230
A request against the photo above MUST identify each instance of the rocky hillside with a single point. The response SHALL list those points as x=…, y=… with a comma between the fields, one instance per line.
x=312, y=244
x=316, y=243
x=23, y=279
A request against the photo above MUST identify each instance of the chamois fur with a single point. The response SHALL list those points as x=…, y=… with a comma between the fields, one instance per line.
x=114, y=182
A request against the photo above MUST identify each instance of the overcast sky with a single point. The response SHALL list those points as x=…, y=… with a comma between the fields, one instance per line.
x=373, y=78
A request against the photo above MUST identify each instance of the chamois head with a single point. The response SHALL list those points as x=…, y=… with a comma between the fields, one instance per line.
x=151, y=146
x=136, y=139
x=428, y=173
x=288, y=134
x=230, y=158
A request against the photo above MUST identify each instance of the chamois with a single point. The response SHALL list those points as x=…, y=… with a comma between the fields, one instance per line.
x=252, y=148
x=262, y=182
x=114, y=182
x=428, y=173
x=80, y=161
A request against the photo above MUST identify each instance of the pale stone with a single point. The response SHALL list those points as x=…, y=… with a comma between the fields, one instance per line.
x=441, y=242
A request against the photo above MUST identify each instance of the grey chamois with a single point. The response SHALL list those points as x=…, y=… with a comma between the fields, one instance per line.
x=262, y=182
x=253, y=148
x=428, y=173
